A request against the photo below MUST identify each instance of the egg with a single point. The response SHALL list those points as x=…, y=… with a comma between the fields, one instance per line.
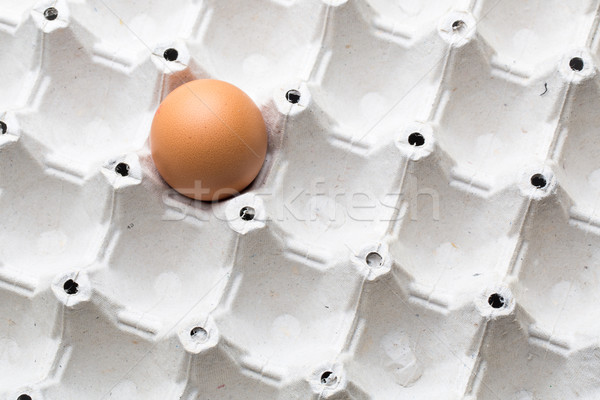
x=208, y=139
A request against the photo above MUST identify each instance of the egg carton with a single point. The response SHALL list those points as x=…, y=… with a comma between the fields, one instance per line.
x=424, y=225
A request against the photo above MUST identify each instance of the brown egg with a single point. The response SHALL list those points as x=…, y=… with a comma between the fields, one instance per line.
x=208, y=139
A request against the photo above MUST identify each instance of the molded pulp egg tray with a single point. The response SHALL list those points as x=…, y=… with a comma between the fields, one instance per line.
x=425, y=224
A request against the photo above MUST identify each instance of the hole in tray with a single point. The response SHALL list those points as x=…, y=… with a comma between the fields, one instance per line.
x=50, y=13
x=416, y=139
x=3, y=127
x=171, y=54
x=374, y=260
x=538, y=180
x=122, y=169
x=576, y=64
x=496, y=300
x=199, y=334
x=458, y=25
x=328, y=378
x=247, y=213
x=71, y=287
x=293, y=96
x=24, y=397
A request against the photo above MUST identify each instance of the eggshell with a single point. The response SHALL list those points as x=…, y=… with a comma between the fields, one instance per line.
x=208, y=139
